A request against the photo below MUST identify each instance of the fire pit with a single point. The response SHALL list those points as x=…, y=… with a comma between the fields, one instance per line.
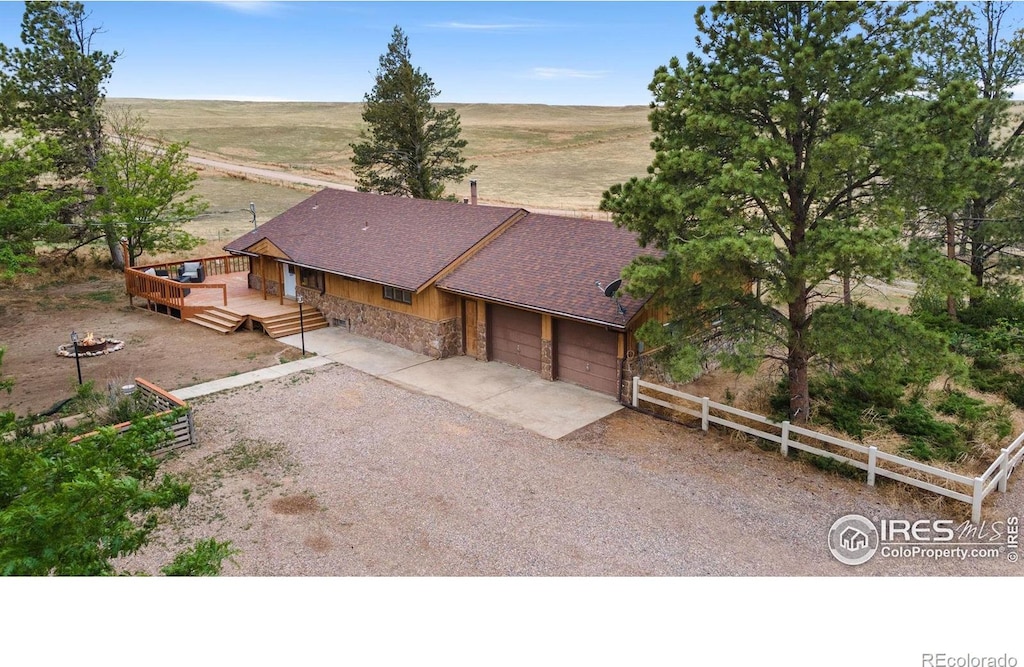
x=91, y=346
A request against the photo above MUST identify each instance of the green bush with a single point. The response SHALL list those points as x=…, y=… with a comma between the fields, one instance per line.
x=1005, y=302
x=958, y=404
x=929, y=437
x=204, y=559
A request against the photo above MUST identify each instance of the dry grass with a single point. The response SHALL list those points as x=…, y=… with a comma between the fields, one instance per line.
x=530, y=155
x=228, y=216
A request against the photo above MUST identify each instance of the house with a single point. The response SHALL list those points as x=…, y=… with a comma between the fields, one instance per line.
x=446, y=278
x=371, y=263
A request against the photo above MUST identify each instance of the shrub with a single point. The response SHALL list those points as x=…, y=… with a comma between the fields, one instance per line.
x=929, y=437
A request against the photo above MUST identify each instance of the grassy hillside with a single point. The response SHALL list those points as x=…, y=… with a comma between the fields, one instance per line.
x=532, y=155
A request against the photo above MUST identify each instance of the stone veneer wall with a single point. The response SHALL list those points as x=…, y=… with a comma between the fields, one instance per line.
x=547, y=370
x=434, y=339
x=256, y=282
x=481, y=340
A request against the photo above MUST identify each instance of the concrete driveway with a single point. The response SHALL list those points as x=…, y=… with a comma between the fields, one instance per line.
x=513, y=395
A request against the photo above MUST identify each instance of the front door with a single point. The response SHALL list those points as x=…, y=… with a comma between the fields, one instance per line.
x=289, y=281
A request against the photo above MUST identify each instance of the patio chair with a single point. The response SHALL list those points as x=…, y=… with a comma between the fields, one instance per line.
x=193, y=271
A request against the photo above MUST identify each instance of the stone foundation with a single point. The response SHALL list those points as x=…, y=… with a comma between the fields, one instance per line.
x=434, y=339
x=481, y=341
x=547, y=369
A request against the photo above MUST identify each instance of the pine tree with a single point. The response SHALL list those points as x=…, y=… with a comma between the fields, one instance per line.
x=775, y=151
x=409, y=147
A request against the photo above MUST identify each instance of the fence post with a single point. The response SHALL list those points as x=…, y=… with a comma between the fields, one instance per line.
x=872, y=462
x=976, y=499
x=785, y=438
x=704, y=411
x=1004, y=469
x=636, y=391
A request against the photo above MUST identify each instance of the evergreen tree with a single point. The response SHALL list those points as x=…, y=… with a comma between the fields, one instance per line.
x=775, y=150
x=971, y=54
x=54, y=83
x=409, y=147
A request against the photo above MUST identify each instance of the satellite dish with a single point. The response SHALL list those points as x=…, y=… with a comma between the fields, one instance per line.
x=612, y=288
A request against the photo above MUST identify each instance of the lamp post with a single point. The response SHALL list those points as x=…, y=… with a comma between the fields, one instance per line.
x=302, y=325
x=252, y=209
x=78, y=363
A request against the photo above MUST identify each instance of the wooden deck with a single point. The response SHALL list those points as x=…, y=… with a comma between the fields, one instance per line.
x=222, y=302
x=242, y=300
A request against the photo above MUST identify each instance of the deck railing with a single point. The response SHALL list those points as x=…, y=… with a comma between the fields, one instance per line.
x=167, y=291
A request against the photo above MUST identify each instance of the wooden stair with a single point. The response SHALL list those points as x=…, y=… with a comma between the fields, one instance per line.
x=288, y=324
x=218, y=319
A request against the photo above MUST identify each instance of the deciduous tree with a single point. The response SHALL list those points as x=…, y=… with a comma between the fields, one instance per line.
x=409, y=147
x=71, y=508
x=144, y=190
x=775, y=148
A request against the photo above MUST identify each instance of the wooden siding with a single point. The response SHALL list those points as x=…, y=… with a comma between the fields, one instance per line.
x=265, y=247
x=469, y=339
x=430, y=304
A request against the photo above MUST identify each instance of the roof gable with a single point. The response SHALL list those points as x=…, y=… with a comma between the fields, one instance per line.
x=390, y=240
x=553, y=264
x=265, y=247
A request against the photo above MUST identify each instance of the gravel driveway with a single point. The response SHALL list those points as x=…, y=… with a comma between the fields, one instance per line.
x=334, y=472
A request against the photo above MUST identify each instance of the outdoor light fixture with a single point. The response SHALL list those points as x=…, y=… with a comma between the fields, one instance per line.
x=78, y=363
x=302, y=327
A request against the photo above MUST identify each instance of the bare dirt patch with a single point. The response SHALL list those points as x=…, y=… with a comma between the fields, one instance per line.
x=293, y=505
x=34, y=321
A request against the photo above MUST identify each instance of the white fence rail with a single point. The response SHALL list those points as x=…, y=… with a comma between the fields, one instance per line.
x=971, y=490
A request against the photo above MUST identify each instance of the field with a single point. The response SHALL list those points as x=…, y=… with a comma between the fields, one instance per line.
x=534, y=156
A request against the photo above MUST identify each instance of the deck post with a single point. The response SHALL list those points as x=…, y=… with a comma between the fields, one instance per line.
x=263, y=276
x=280, y=283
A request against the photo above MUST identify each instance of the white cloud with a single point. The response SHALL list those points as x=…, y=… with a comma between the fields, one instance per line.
x=263, y=7
x=552, y=73
x=484, y=27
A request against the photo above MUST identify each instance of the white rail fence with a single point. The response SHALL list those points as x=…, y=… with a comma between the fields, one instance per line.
x=970, y=490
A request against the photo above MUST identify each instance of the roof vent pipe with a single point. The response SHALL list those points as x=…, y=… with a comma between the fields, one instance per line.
x=472, y=193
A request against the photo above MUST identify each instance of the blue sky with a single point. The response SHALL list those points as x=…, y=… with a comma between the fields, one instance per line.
x=601, y=53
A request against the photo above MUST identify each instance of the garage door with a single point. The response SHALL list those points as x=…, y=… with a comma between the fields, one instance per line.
x=587, y=355
x=515, y=337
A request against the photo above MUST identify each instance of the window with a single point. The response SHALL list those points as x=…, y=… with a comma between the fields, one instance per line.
x=396, y=294
x=312, y=279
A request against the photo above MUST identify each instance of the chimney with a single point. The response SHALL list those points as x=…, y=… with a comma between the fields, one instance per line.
x=472, y=193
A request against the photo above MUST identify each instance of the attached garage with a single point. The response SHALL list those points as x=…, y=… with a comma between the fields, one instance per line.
x=587, y=355
x=514, y=336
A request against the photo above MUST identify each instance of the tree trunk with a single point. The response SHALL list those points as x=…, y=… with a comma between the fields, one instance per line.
x=951, y=255
x=847, y=289
x=796, y=360
x=117, y=257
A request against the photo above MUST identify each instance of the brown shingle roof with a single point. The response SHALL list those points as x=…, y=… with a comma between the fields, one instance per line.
x=551, y=264
x=405, y=243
